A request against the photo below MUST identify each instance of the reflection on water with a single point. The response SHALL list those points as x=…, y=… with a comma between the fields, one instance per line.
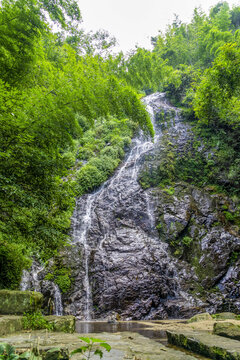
x=86, y=327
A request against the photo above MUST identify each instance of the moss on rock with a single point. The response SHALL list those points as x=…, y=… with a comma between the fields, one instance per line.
x=224, y=316
x=62, y=323
x=227, y=329
x=200, y=317
x=203, y=343
x=18, y=302
x=56, y=354
x=10, y=324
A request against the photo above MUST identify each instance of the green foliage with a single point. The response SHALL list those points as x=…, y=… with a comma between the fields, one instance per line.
x=20, y=26
x=59, y=274
x=144, y=70
x=50, y=97
x=12, y=262
x=187, y=241
x=234, y=257
x=159, y=227
x=170, y=190
x=92, y=347
x=221, y=84
x=35, y=321
x=64, y=98
x=8, y=352
x=103, y=148
x=177, y=85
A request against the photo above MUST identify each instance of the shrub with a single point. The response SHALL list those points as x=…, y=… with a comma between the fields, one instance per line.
x=12, y=263
x=88, y=178
x=35, y=321
x=187, y=241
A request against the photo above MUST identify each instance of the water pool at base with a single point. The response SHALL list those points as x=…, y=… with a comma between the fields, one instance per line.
x=145, y=329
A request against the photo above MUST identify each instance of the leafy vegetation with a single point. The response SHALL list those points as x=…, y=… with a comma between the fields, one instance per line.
x=55, y=92
x=8, y=352
x=35, y=321
x=60, y=274
x=92, y=347
x=69, y=108
x=199, y=65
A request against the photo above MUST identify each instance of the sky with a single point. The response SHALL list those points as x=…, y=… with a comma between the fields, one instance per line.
x=133, y=22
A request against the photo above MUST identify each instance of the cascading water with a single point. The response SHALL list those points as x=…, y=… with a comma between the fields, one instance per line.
x=34, y=280
x=57, y=300
x=30, y=279
x=123, y=267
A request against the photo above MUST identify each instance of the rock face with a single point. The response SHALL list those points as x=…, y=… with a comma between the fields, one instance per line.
x=155, y=253
x=149, y=253
x=19, y=302
x=34, y=280
x=118, y=262
x=190, y=222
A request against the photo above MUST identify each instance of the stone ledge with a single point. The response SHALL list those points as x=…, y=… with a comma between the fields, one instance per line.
x=203, y=343
x=18, y=302
x=10, y=324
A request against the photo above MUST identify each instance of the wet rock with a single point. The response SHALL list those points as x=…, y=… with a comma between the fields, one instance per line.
x=18, y=302
x=118, y=261
x=151, y=253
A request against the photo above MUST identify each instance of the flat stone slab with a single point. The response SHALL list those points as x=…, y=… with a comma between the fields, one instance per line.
x=125, y=346
x=10, y=324
x=206, y=344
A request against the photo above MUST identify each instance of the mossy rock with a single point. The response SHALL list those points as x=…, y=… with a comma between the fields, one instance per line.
x=18, y=302
x=10, y=324
x=227, y=329
x=56, y=354
x=225, y=316
x=206, y=344
x=62, y=323
x=200, y=317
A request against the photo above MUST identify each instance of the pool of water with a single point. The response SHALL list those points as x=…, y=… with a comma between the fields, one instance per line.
x=87, y=327
x=145, y=329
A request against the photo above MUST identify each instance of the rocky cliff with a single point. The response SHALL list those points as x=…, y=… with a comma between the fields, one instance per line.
x=157, y=252
x=144, y=250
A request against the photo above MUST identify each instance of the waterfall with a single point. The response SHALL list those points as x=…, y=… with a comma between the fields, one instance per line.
x=33, y=280
x=97, y=226
x=30, y=279
x=57, y=300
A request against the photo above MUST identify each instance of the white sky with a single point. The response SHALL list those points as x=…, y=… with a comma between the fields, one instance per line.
x=135, y=21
